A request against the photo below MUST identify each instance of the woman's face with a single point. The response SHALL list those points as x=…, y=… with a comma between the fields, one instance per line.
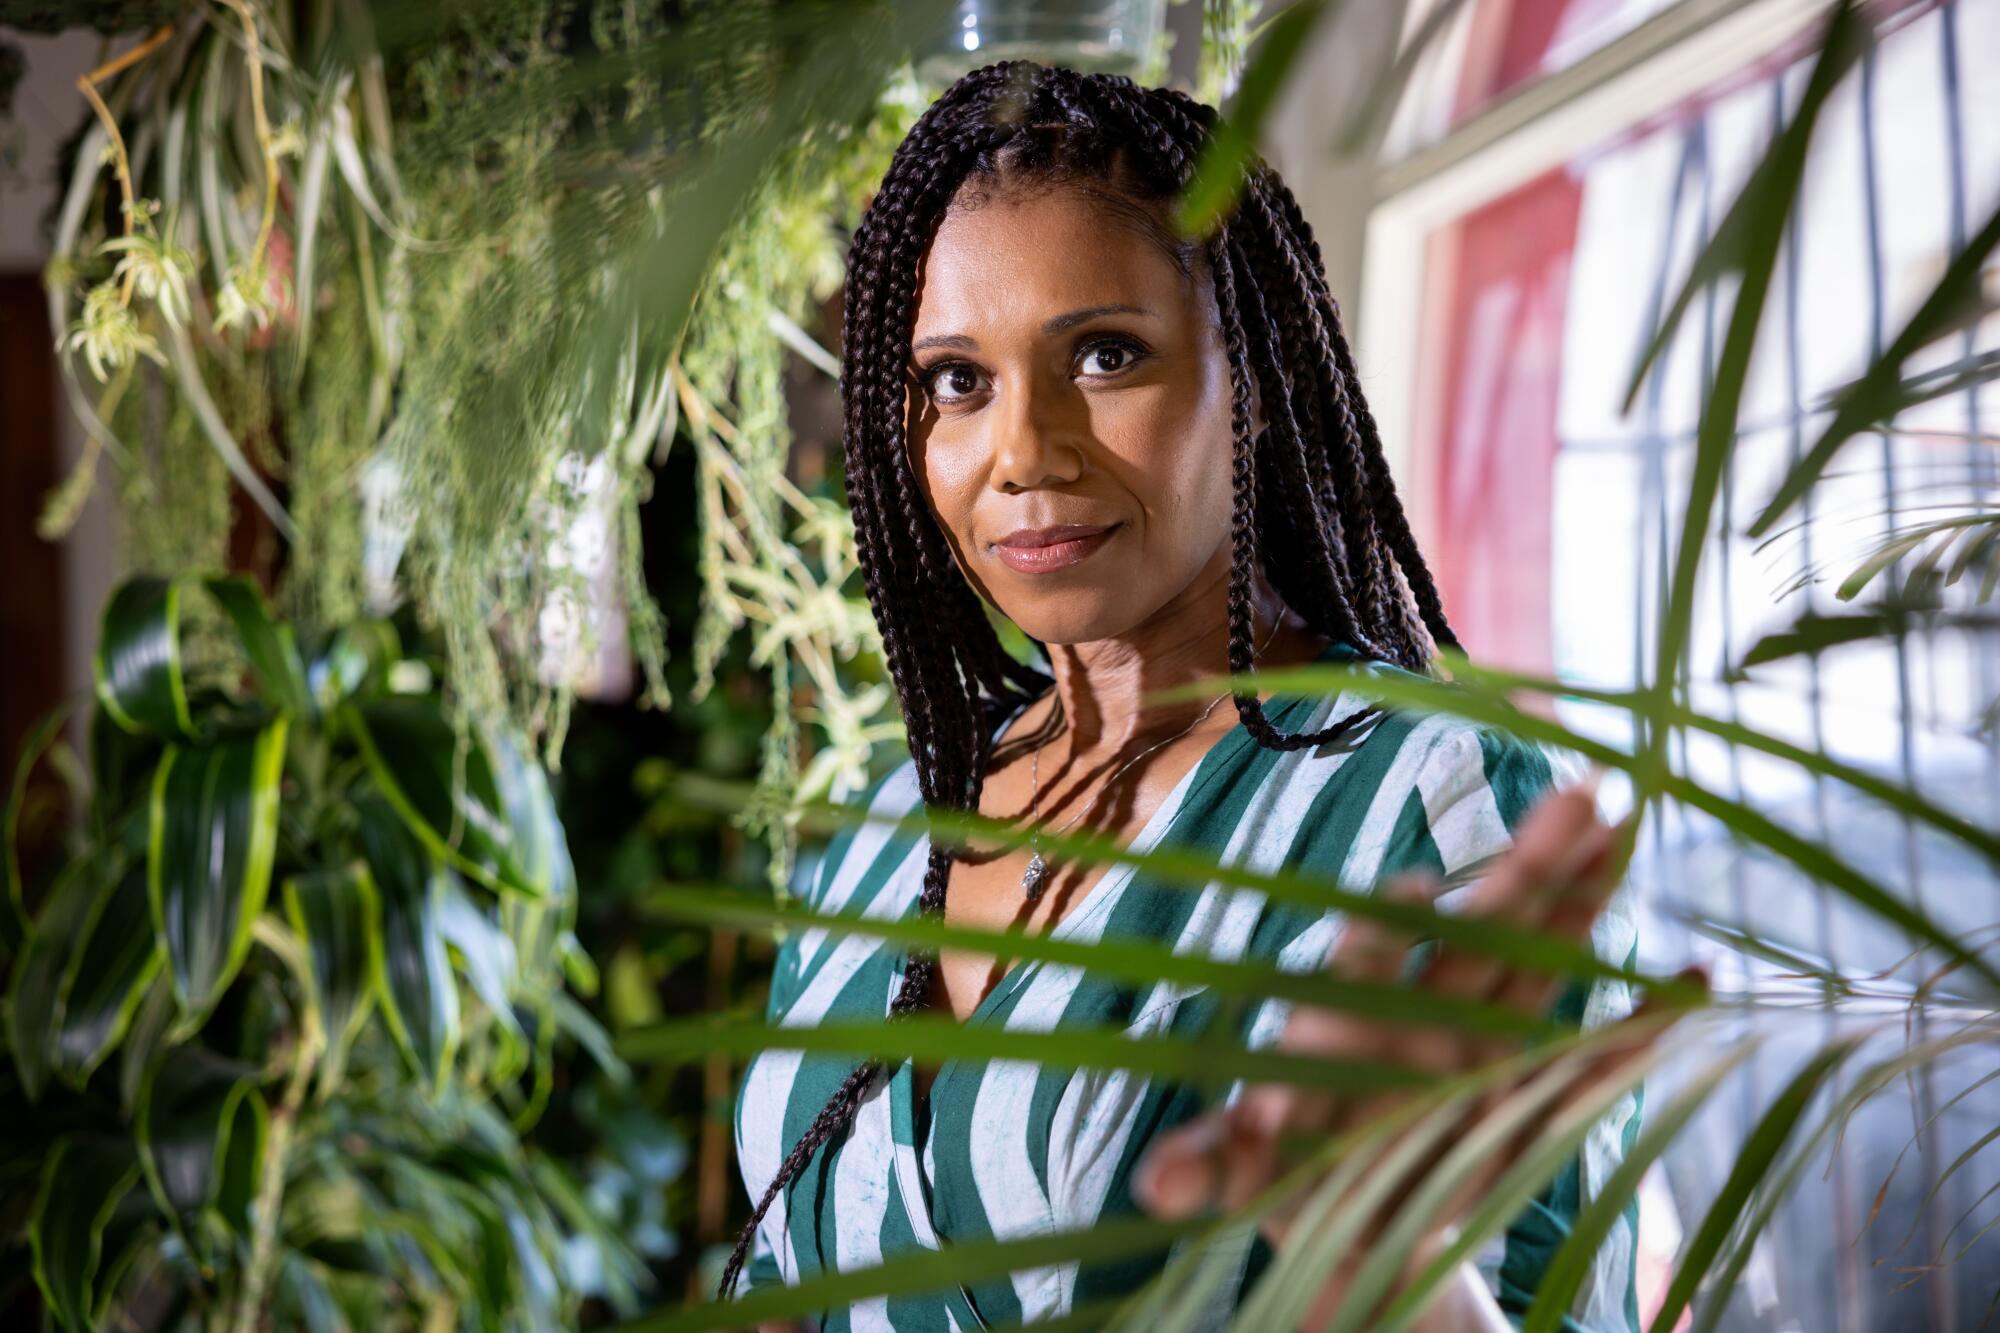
x=1072, y=433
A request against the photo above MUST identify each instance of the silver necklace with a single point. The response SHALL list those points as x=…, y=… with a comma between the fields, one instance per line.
x=1035, y=878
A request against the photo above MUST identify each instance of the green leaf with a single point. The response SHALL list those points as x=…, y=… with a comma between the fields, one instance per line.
x=1566, y=1272
x=1484, y=705
x=34, y=993
x=122, y=764
x=488, y=960
x=1905, y=800
x=1747, y=237
x=1811, y=635
x=412, y=974
x=1879, y=395
x=1129, y=959
x=270, y=647
x=137, y=666
x=200, y=1129
x=412, y=752
x=1766, y=205
x=534, y=828
x=933, y=1039
x=112, y=962
x=1767, y=1139
x=1219, y=173
x=15, y=921
x=923, y=1270
x=214, y=833
x=356, y=660
x=148, y=1034
x=1192, y=868
x=81, y=1187
x=332, y=911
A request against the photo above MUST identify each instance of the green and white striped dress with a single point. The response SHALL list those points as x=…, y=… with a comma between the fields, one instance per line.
x=1009, y=1149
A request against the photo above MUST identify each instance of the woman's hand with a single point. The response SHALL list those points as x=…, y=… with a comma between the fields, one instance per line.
x=1556, y=879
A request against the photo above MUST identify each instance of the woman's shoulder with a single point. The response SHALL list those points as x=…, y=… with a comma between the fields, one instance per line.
x=1419, y=790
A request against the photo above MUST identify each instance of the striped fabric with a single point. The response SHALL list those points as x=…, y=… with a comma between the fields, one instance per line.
x=1010, y=1150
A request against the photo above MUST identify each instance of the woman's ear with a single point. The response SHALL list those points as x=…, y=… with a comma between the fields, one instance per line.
x=1257, y=422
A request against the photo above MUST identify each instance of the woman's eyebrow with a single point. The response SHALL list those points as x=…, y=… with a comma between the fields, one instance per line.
x=1050, y=327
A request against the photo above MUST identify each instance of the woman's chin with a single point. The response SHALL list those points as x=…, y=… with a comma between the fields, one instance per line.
x=1081, y=613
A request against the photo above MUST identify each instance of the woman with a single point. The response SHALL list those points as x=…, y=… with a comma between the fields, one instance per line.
x=1153, y=457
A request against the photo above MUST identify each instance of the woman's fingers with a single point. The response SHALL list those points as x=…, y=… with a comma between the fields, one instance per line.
x=1573, y=910
x=1220, y=1159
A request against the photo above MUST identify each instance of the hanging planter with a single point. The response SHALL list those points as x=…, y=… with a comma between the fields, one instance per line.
x=1118, y=36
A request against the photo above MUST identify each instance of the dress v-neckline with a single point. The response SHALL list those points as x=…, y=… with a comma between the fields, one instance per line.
x=912, y=1127
x=1093, y=901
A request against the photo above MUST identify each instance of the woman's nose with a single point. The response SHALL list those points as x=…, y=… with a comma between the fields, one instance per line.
x=1038, y=435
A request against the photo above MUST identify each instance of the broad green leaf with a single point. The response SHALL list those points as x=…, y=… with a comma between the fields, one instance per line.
x=197, y=1113
x=535, y=833
x=484, y=950
x=486, y=956
x=214, y=832
x=82, y=1185
x=1879, y=394
x=270, y=647
x=576, y=1022
x=302, y=1300
x=456, y=809
x=412, y=974
x=113, y=962
x=137, y=667
x=149, y=1033
x=1767, y=1139
x=931, y=1039
x=1131, y=959
x=1219, y=172
x=14, y=925
x=356, y=660
x=34, y=991
x=332, y=913
x=122, y=764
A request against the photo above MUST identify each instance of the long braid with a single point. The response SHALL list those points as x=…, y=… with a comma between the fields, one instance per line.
x=1314, y=507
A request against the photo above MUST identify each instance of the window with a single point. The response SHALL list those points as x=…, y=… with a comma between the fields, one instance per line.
x=1557, y=166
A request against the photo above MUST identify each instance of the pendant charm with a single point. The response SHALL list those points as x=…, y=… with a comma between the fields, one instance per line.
x=1034, y=876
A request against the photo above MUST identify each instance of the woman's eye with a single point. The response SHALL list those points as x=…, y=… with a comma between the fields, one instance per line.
x=951, y=381
x=1116, y=355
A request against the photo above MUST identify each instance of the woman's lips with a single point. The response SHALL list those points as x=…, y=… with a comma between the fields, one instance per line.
x=1040, y=550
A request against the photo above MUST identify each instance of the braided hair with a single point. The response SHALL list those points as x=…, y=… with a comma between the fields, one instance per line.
x=1315, y=507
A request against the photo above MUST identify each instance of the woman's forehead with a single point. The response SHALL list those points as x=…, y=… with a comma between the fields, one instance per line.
x=1021, y=258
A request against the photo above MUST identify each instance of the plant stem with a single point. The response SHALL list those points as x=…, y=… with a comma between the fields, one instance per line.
x=263, y=127
x=120, y=163
x=271, y=1188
